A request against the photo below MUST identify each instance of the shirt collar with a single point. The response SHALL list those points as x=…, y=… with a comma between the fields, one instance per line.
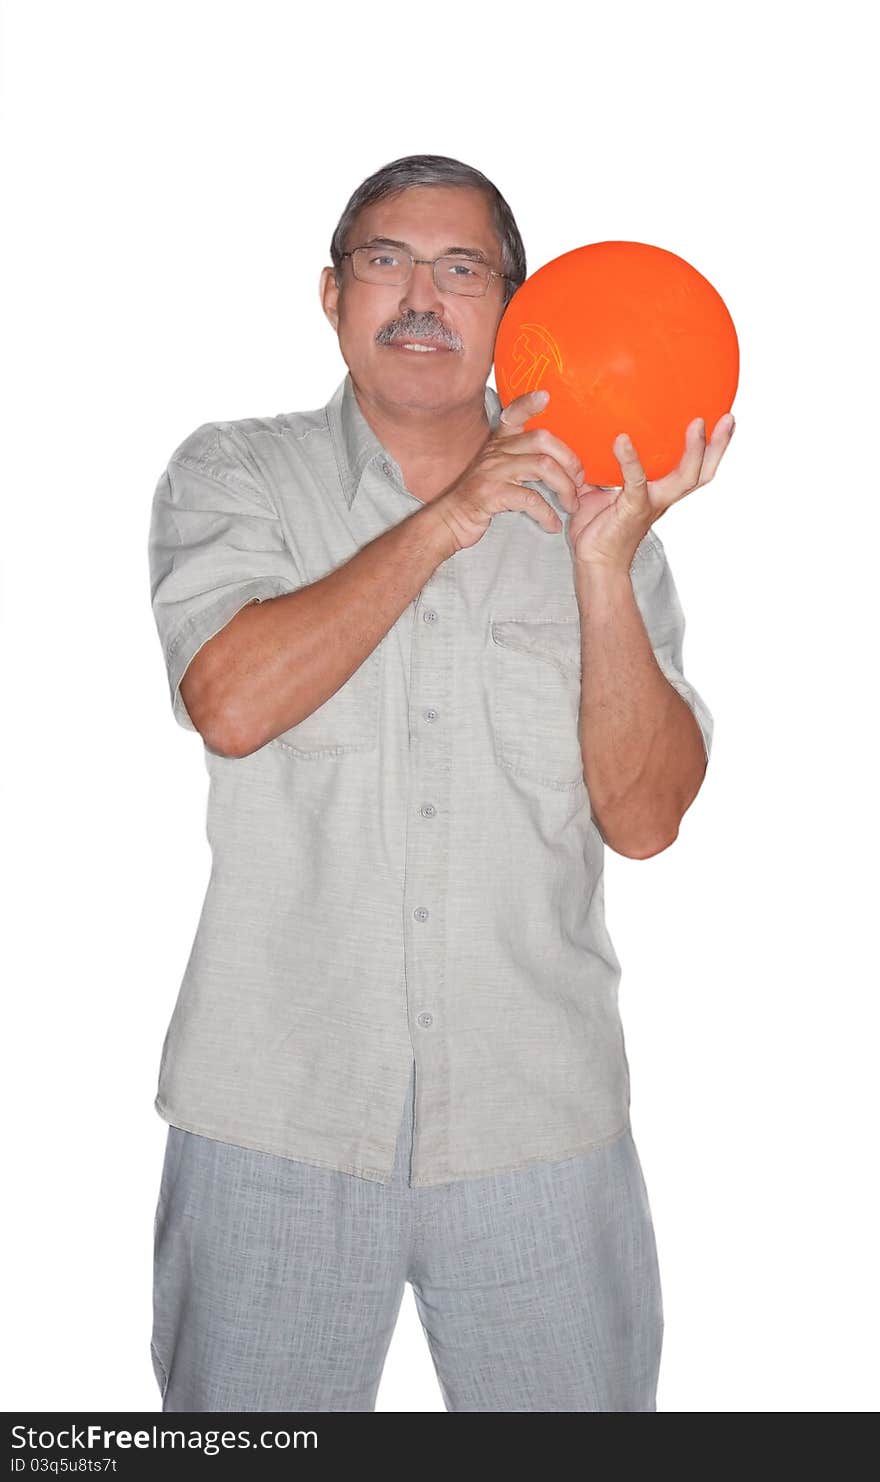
x=356, y=445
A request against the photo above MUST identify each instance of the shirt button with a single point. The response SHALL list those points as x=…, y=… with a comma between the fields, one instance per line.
x=386, y=469
x=429, y=615
x=426, y=1020
x=421, y=913
x=427, y=810
x=429, y=714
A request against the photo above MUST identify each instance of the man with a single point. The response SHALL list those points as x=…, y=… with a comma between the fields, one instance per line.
x=434, y=673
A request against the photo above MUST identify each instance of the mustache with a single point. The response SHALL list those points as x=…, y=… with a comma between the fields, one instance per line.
x=419, y=326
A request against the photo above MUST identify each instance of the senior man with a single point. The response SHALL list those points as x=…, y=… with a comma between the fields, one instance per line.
x=435, y=673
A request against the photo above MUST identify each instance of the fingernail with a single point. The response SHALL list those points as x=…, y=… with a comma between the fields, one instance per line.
x=545, y=395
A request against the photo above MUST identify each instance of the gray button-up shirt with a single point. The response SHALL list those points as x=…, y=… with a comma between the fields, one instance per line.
x=413, y=871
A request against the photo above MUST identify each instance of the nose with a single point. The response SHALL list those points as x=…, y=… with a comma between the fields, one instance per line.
x=421, y=292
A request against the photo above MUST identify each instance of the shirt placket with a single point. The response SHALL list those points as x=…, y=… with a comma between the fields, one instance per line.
x=427, y=866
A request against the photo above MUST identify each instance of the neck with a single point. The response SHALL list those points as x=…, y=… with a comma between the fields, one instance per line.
x=431, y=445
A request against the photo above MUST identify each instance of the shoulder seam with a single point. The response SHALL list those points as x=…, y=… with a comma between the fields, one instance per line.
x=196, y=465
x=282, y=432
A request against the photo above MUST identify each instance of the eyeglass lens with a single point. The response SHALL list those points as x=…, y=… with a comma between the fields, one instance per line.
x=393, y=266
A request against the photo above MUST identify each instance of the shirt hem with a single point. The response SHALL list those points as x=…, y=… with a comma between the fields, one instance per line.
x=378, y=1175
x=576, y=1152
x=375, y=1175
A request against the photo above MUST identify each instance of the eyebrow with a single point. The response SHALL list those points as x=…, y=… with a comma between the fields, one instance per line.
x=475, y=252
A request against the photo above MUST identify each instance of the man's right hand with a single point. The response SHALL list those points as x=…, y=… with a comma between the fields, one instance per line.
x=493, y=480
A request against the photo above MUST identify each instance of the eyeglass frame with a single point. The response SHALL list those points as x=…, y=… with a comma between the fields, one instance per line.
x=430, y=262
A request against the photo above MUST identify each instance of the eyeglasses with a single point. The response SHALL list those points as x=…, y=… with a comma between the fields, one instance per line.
x=394, y=266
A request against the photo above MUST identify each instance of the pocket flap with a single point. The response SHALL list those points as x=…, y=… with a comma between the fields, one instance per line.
x=556, y=640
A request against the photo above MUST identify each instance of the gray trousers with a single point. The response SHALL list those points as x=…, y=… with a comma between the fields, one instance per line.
x=277, y=1284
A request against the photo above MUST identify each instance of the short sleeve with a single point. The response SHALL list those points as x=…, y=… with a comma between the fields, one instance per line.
x=216, y=544
x=661, y=611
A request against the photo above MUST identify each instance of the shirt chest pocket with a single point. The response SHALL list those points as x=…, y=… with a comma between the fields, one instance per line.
x=347, y=722
x=535, y=678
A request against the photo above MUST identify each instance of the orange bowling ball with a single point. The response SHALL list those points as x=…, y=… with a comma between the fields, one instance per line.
x=626, y=337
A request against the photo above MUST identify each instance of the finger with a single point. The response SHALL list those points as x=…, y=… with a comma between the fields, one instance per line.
x=717, y=448
x=681, y=481
x=542, y=468
x=542, y=440
x=699, y=461
x=635, y=484
x=694, y=452
x=534, y=504
x=518, y=411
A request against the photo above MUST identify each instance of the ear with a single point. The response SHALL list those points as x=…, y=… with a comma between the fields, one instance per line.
x=330, y=292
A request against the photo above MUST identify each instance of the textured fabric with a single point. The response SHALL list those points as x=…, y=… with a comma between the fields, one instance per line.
x=413, y=871
x=277, y=1285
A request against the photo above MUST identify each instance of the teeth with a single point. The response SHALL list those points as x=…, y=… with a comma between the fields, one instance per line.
x=430, y=348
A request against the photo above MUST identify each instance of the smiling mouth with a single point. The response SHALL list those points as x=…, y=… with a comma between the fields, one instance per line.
x=417, y=346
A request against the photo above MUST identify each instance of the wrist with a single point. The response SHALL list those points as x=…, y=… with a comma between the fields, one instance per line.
x=600, y=587
x=590, y=574
x=439, y=532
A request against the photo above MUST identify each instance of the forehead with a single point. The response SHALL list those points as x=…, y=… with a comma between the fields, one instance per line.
x=431, y=217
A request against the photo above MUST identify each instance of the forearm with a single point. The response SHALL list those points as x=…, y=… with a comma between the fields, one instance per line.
x=287, y=655
x=644, y=758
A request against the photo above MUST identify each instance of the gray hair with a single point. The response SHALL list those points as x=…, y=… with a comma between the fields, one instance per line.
x=435, y=169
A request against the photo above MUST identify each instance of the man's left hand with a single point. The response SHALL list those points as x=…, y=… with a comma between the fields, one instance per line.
x=610, y=524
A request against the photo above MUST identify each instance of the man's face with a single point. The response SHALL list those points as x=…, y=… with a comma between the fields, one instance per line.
x=374, y=321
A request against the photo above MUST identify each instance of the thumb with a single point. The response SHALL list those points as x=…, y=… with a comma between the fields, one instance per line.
x=518, y=411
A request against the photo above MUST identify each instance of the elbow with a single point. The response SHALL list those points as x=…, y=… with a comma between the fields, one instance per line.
x=223, y=736
x=623, y=844
x=220, y=745
x=216, y=732
x=648, y=853
x=210, y=715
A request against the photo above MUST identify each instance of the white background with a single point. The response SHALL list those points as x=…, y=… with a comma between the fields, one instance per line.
x=173, y=174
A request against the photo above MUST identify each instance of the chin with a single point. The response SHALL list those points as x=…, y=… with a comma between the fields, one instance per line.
x=396, y=376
